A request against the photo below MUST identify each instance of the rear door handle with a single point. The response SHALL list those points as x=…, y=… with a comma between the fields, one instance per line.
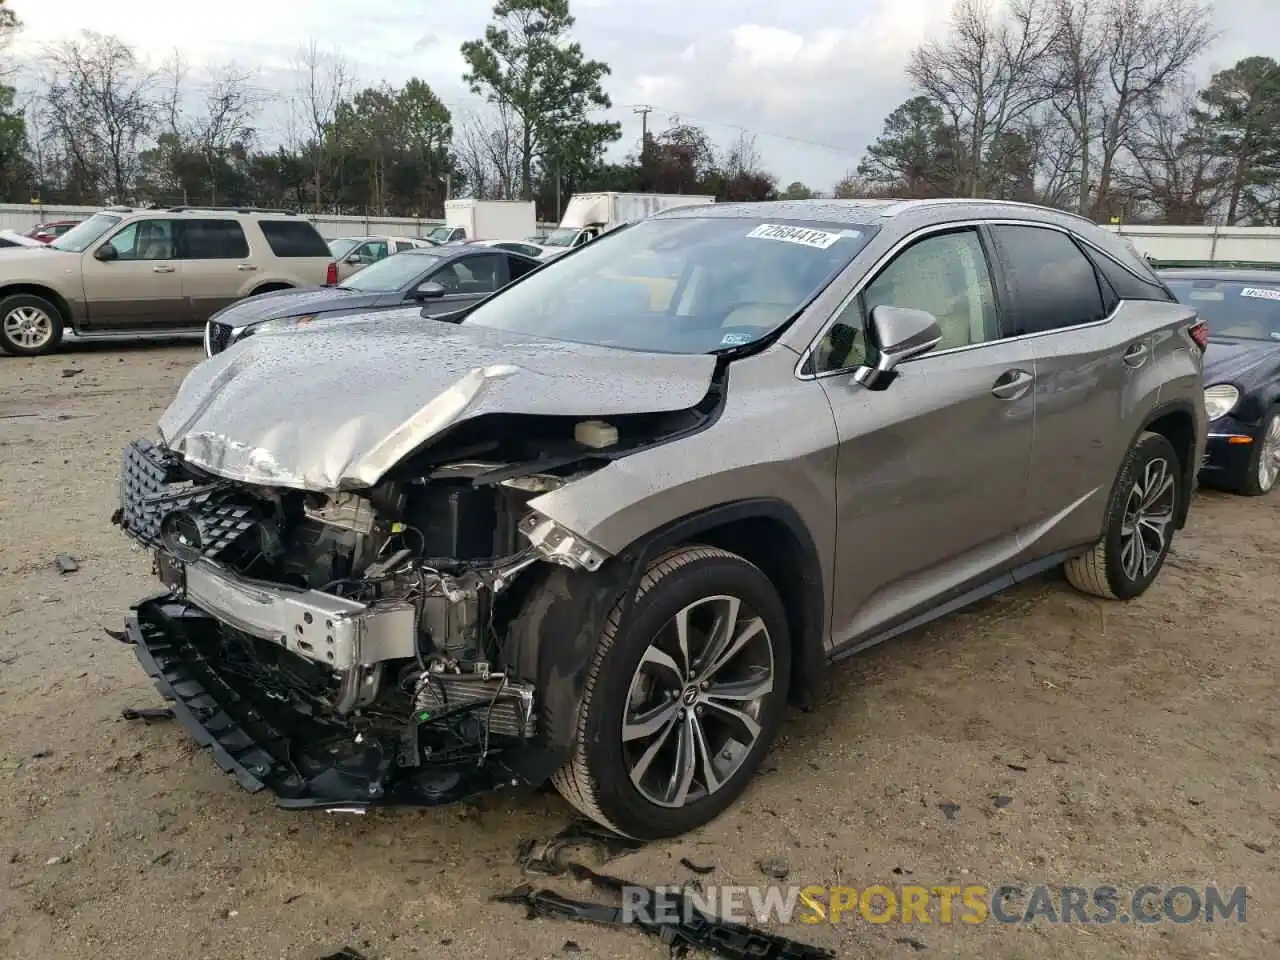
x=163, y=268
x=246, y=267
x=1137, y=354
x=1012, y=384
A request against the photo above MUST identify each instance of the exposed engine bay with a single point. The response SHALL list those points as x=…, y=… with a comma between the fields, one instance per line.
x=354, y=645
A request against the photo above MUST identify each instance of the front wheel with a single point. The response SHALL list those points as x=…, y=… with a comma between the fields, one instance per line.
x=29, y=325
x=683, y=698
x=1264, y=465
x=1139, y=524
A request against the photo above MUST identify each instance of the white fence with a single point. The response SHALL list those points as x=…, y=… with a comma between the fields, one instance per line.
x=1251, y=244
x=22, y=217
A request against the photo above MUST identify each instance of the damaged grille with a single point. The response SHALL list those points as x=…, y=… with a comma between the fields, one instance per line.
x=219, y=337
x=152, y=486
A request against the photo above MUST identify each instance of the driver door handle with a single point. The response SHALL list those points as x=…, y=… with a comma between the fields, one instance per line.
x=163, y=268
x=246, y=266
x=1012, y=384
x=1137, y=354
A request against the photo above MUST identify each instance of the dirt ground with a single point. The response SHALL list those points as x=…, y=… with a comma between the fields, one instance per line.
x=1128, y=744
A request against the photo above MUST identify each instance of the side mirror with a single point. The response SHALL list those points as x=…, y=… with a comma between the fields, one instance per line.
x=106, y=253
x=427, y=291
x=900, y=333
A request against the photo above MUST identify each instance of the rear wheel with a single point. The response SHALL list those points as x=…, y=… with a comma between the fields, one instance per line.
x=1139, y=524
x=29, y=325
x=683, y=698
x=1264, y=464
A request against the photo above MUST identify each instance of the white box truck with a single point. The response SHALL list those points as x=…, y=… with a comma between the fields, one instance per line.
x=590, y=214
x=486, y=220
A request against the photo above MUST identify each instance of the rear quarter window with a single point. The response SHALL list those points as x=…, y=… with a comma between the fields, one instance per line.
x=1126, y=284
x=294, y=238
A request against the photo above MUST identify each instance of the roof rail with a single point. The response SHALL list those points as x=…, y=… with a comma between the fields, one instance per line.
x=119, y=209
x=209, y=208
x=1213, y=264
x=939, y=201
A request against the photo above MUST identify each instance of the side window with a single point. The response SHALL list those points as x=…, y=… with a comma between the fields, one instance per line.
x=213, y=240
x=471, y=275
x=294, y=238
x=1052, y=283
x=145, y=240
x=374, y=250
x=403, y=245
x=518, y=267
x=945, y=274
x=1126, y=285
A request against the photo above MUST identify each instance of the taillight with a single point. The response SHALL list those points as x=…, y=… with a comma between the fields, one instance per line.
x=1200, y=334
x=331, y=275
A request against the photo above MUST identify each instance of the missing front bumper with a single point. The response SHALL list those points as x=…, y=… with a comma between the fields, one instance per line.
x=305, y=763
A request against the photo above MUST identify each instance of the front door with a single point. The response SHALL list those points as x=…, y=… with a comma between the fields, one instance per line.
x=931, y=471
x=216, y=267
x=141, y=286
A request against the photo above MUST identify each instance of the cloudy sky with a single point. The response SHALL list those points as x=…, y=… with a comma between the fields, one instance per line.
x=811, y=80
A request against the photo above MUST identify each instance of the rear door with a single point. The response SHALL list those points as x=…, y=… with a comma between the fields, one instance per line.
x=467, y=280
x=216, y=267
x=1087, y=361
x=142, y=287
x=931, y=475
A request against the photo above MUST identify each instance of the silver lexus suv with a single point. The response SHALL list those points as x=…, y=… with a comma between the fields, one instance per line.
x=601, y=527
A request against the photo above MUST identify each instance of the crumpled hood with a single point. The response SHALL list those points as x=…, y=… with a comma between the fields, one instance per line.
x=293, y=303
x=335, y=407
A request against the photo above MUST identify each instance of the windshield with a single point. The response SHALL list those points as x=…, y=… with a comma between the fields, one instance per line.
x=340, y=248
x=560, y=237
x=678, y=285
x=1233, y=308
x=80, y=237
x=391, y=273
x=439, y=234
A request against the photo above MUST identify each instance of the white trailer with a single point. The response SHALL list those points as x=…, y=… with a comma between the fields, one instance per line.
x=486, y=220
x=590, y=214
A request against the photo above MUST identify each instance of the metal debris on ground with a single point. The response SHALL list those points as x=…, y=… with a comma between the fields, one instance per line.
x=547, y=857
x=949, y=810
x=65, y=563
x=346, y=953
x=774, y=868
x=696, y=868
x=147, y=713
x=71, y=372
x=674, y=919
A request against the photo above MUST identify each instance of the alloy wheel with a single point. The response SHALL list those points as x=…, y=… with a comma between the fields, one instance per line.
x=1148, y=514
x=696, y=701
x=1269, y=456
x=28, y=327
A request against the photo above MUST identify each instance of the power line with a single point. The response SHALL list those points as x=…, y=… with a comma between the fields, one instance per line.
x=676, y=117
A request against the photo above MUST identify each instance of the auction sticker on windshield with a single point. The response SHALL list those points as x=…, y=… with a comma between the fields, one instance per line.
x=1261, y=293
x=804, y=236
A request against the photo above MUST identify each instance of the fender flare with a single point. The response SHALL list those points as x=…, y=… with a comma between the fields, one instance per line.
x=1191, y=469
x=552, y=641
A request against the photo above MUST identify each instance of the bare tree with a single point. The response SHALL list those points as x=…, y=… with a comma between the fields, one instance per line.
x=487, y=147
x=325, y=80
x=99, y=103
x=1176, y=172
x=985, y=75
x=1111, y=62
x=230, y=107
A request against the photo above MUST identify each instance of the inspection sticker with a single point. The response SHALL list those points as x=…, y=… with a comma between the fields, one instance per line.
x=1261, y=293
x=735, y=339
x=820, y=239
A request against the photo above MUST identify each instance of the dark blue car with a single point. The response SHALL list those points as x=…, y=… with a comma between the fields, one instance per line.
x=1241, y=372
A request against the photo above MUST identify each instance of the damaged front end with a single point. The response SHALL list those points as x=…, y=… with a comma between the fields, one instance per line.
x=357, y=648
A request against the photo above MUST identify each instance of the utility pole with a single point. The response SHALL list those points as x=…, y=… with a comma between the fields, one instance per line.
x=643, y=112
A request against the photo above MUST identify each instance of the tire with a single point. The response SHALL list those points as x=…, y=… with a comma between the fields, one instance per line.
x=29, y=325
x=1266, y=449
x=1109, y=570
x=597, y=780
